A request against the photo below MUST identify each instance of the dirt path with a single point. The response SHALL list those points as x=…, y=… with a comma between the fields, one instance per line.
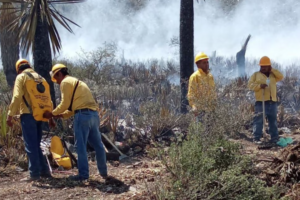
x=249, y=148
x=128, y=181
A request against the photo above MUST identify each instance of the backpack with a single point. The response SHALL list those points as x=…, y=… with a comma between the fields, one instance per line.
x=39, y=94
x=61, y=154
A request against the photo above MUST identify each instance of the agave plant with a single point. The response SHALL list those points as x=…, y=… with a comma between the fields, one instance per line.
x=34, y=20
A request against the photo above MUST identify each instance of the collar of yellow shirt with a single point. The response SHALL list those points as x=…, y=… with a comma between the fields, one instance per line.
x=202, y=72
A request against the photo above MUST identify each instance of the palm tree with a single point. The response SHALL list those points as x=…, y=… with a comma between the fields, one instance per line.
x=36, y=29
x=9, y=45
x=186, y=48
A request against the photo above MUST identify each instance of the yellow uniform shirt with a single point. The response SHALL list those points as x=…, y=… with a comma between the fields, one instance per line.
x=17, y=105
x=201, y=91
x=259, y=78
x=83, y=97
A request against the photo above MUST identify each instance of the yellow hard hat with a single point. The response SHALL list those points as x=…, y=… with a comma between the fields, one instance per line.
x=20, y=62
x=56, y=68
x=200, y=56
x=265, y=61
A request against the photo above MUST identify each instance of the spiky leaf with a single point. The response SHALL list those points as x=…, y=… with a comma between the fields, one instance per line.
x=25, y=15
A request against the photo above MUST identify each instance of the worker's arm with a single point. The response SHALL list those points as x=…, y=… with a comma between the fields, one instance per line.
x=51, y=120
x=213, y=88
x=67, y=114
x=278, y=75
x=192, y=91
x=17, y=96
x=66, y=92
x=213, y=85
x=253, y=84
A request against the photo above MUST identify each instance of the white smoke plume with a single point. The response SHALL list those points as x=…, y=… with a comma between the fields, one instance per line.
x=274, y=26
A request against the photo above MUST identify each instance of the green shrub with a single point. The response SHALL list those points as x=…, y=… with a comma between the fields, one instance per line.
x=217, y=171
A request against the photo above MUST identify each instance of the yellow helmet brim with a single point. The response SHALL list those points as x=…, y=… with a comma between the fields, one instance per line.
x=52, y=74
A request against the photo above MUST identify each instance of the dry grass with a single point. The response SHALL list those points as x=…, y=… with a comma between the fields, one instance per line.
x=143, y=98
x=12, y=147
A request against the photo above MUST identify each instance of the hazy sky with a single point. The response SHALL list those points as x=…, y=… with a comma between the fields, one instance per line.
x=273, y=24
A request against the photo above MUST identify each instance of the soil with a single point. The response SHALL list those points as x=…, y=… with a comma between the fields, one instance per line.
x=276, y=165
x=130, y=178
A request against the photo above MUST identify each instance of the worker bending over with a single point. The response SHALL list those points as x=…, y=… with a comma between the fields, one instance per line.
x=76, y=98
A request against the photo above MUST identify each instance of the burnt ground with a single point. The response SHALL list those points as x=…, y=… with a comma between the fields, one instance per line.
x=131, y=177
x=276, y=165
x=128, y=180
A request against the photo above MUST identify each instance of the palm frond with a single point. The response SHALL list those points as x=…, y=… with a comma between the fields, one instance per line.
x=7, y=15
x=25, y=19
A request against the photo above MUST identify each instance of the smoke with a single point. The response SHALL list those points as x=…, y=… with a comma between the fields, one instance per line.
x=147, y=33
x=273, y=25
x=139, y=35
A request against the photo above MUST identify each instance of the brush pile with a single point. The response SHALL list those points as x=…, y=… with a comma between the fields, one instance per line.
x=283, y=168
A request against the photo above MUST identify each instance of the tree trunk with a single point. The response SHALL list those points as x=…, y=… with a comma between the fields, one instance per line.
x=9, y=46
x=42, y=54
x=240, y=59
x=186, y=48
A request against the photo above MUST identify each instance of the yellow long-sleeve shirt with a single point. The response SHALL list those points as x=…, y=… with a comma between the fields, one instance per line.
x=17, y=105
x=83, y=97
x=201, y=90
x=259, y=78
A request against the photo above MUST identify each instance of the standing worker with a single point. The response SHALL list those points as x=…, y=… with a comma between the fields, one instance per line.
x=31, y=98
x=263, y=83
x=77, y=98
x=201, y=92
